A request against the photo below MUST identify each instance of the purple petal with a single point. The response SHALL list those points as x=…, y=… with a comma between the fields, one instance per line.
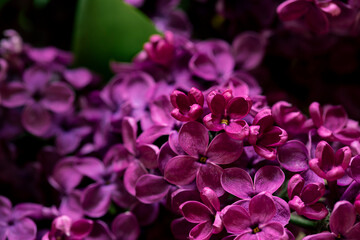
x=216, y=102
x=71, y=205
x=209, y=197
x=90, y=167
x=81, y=228
x=320, y=236
x=316, y=211
x=181, y=170
x=194, y=138
x=165, y=154
x=224, y=150
x=100, y=231
x=145, y=213
x=238, y=107
x=209, y=176
x=196, y=212
x=292, y=9
x=134, y=171
x=282, y=215
x=180, y=228
x=262, y=208
x=181, y=196
x=151, y=188
x=36, y=78
x=269, y=179
x=312, y=192
x=78, y=78
x=354, y=232
x=295, y=185
x=129, y=129
x=203, y=66
x=96, y=199
x=24, y=229
x=236, y=219
x=271, y=230
x=58, y=97
x=355, y=168
x=232, y=178
x=14, y=94
x=342, y=218
x=317, y=20
x=202, y=231
x=293, y=156
x=148, y=155
x=125, y=226
x=36, y=119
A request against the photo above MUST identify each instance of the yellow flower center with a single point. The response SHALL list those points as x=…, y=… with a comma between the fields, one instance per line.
x=203, y=159
x=256, y=230
x=224, y=121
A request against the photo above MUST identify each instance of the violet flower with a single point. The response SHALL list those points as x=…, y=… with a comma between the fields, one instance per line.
x=187, y=107
x=207, y=215
x=161, y=50
x=126, y=226
x=333, y=124
x=264, y=136
x=256, y=222
x=304, y=198
x=14, y=223
x=315, y=13
x=63, y=227
x=201, y=163
x=329, y=165
x=342, y=222
x=227, y=113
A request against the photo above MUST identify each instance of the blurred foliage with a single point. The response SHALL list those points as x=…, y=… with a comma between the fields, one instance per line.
x=108, y=30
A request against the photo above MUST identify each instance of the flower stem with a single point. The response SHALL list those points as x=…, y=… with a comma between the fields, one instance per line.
x=302, y=222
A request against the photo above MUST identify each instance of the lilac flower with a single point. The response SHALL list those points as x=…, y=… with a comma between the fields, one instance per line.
x=342, y=222
x=267, y=178
x=201, y=163
x=187, y=107
x=14, y=222
x=39, y=96
x=212, y=61
x=357, y=203
x=78, y=78
x=63, y=227
x=264, y=136
x=256, y=222
x=207, y=215
x=290, y=118
x=161, y=50
x=3, y=69
x=294, y=156
x=126, y=226
x=315, y=13
x=304, y=198
x=227, y=113
x=333, y=124
x=329, y=165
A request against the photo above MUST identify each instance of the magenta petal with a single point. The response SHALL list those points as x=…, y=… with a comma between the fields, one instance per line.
x=232, y=178
x=266, y=152
x=282, y=215
x=316, y=211
x=320, y=236
x=78, y=78
x=129, y=129
x=90, y=167
x=216, y=102
x=269, y=179
x=196, y=212
x=355, y=168
x=194, y=138
x=14, y=94
x=224, y=150
x=181, y=170
x=271, y=230
x=293, y=156
x=209, y=176
x=134, y=171
x=202, y=66
x=295, y=185
x=202, y=231
x=58, y=97
x=317, y=20
x=96, y=199
x=292, y=9
x=236, y=219
x=238, y=129
x=180, y=228
x=238, y=107
x=148, y=155
x=312, y=192
x=145, y=213
x=100, y=231
x=354, y=232
x=81, y=228
x=125, y=226
x=342, y=218
x=24, y=229
x=36, y=119
x=262, y=208
x=209, y=197
x=151, y=188
x=183, y=195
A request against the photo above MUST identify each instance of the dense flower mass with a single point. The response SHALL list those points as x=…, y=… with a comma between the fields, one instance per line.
x=181, y=143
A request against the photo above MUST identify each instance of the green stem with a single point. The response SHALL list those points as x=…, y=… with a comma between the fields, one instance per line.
x=302, y=222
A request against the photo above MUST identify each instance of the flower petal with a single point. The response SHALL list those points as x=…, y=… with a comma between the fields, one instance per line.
x=209, y=176
x=126, y=226
x=342, y=218
x=224, y=150
x=96, y=199
x=194, y=138
x=151, y=188
x=202, y=231
x=196, y=212
x=293, y=156
x=81, y=228
x=181, y=170
x=36, y=119
x=24, y=229
x=269, y=179
x=262, y=208
x=232, y=178
x=58, y=97
x=236, y=219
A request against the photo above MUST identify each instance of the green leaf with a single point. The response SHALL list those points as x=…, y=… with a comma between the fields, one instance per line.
x=108, y=30
x=41, y=3
x=3, y=2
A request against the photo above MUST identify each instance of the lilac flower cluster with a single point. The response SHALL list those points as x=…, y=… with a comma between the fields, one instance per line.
x=180, y=143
